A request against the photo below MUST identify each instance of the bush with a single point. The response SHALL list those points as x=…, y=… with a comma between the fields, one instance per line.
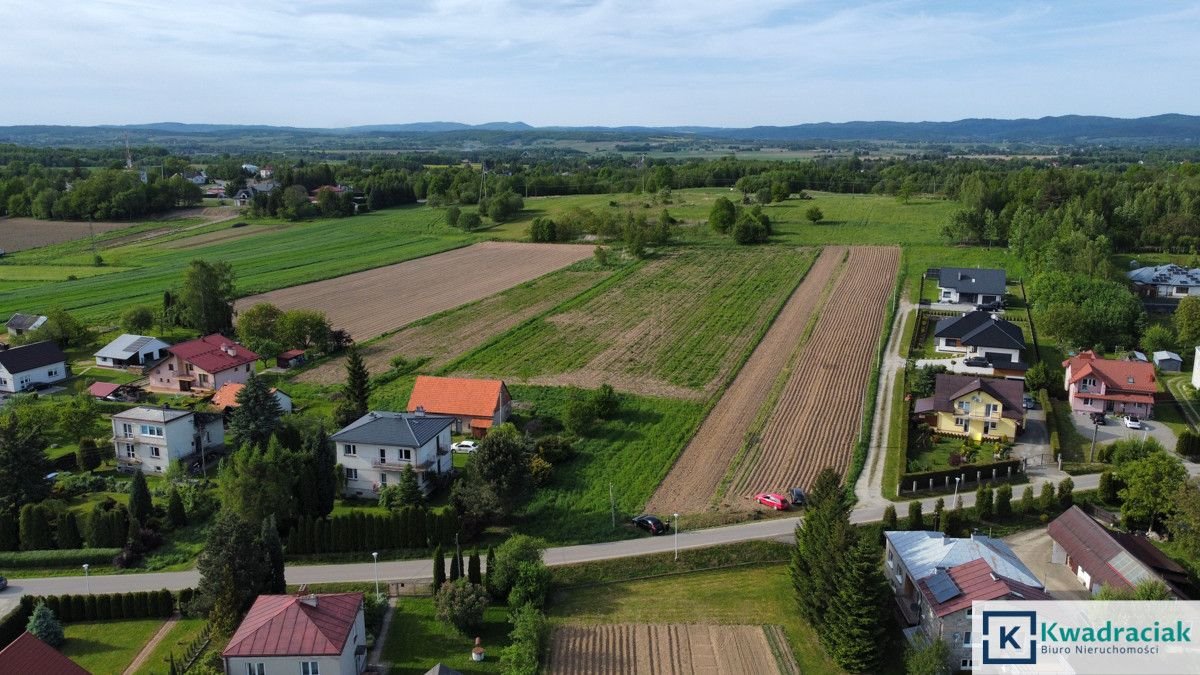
x=531, y=585
x=1188, y=444
x=1108, y=487
x=509, y=556
x=45, y=626
x=1046, y=501
x=555, y=448
x=1066, y=496
x=52, y=558
x=1004, y=501
x=461, y=604
x=528, y=636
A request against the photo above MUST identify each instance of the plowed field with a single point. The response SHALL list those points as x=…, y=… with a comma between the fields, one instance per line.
x=666, y=648
x=371, y=303
x=18, y=234
x=691, y=483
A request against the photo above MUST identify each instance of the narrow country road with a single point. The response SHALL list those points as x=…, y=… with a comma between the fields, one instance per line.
x=869, y=488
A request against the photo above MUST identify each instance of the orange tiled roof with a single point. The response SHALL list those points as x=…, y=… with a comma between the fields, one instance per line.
x=226, y=396
x=456, y=396
x=1127, y=376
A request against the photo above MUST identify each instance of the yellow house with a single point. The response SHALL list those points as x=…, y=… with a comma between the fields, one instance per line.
x=974, y=407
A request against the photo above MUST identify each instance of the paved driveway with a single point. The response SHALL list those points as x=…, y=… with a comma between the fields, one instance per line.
x=1115, y=429
x=1036, y=440
x=1033, y=548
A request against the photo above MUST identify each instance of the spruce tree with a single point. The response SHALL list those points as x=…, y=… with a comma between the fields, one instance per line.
x=68, y=532
x=23, y=463
x=473, y=574
x=325, y=462
x=1046, y=501
x=87, y=457
x=1004, y=502
x=439, y=568
x=357, y=391
x=176, y=515
x=820, y=543
x=984, y=504
x=487, y=573
x=45, y=626
x=140, y=505
x=455, y=570
x=888, y=523
x=35, y=529
x=410, y=489
x=939, y=508
x=256, y=416
x=916, y=518
x=272, y=546
x=854, y=626
x=1028, y=506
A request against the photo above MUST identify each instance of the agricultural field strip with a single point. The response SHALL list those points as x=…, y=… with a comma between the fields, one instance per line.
x=371, y=303
x=697, y=472
x=811, y=427
x=19, y=234
x=662, y=648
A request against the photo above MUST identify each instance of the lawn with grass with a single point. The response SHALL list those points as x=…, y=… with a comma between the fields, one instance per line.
x=919, y=258
x=176, y=642
x=416, y=639
x=107, y=646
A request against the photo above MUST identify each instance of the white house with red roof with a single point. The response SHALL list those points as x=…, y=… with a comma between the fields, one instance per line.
x=323, y=634
x=202, y=365
x=1096, y=384
x=476, y=405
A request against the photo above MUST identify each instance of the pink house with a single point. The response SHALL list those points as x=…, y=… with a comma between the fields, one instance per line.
x=202, y=365
x=1095, y=384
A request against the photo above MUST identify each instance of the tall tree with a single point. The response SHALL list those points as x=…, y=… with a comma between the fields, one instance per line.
x=1151, y=486
x=207, y=296
x=1184, y=523
x=77, y=416
x=916, y=519
x=35, y=528
x=23, y=463
x=273, y=581
x=821, y=542
x=439, y=568
x=1187, y=321
x=141, y=506
x=256, y=327
x=325, y=469
x=256, y=416
x=255, y=484
x=176, y=514
x=473, y=574
x=854, y=626
x=233, y=566
x=356, y=393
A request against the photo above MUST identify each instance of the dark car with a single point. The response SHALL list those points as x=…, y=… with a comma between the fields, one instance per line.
x=3, y=583
x=650, y=524
x=1098, y=419
x=976, y=362
x=991, y=306
x=797, y=496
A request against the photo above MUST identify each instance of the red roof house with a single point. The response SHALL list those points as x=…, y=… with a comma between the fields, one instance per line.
x=27, y=654
x=1096, y=384
x=226, y=397
x=477, y=405
x=203, y=364
x=291, y=633
x=1099, y=557
x=976, y=582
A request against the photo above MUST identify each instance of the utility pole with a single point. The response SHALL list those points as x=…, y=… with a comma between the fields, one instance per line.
x=1095, y=430
x=612, y=504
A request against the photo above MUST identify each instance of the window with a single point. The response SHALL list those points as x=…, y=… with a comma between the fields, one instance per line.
x=990, y=409
x=127, y=430
x=383, y=480
x=256, y=669
x=309, y=668
x=965, y=664
x=970, y=611
x=351, y=474
x=151, y=430
x=1087, y=401
x=52, y=372
x=171, y=366
x=203, y=378
x=350, y=450
x=129, y=451
x=967, y=638
x=155, y=451
x=406, y=453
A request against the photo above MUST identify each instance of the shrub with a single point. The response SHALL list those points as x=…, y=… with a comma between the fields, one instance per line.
x=1027, y=505
x=916, y=520
x=514, y=551
x=1046, y=501
x=1107, y=487
x=45, y=626
x=1188, y=444
x=528, y=636
x=531, y=585
x=52, y=558
x=983, y=502
x=1004, y=501
x=555, y=448
x=461, y=604
x=889, y=518
x=1066, y=497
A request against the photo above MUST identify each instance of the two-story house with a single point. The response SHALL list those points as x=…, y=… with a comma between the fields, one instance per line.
x=936, y=578
x=1096, y=384
x=984, y=334
x=476, y=405
x=377, y=447
x=974, y=407
x=25, y=367
x=202, y=365
x=323, y=634
x=148, y=439
x=970, y=285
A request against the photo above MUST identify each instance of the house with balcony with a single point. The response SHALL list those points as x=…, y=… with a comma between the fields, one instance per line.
x=936, y=578
x=308, y=634
x=148, y=439
x=377, y=447
x=202, y=365
x=974, y=407
x=1096, y=384
x=970, y=285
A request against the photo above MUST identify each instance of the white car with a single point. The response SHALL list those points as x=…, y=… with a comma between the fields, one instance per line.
x=1133, y=422
x=465, y=446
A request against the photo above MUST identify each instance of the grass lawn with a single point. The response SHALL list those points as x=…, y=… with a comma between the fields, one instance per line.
x=936, y=457
x=1170, y=413
x=176, y=642
x=1074, y=445
x=918, y=258
x=416, y=639
x=750, y=595
x=107, y=646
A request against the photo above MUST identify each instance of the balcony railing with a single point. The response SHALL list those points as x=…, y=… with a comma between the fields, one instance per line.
x=400, y=464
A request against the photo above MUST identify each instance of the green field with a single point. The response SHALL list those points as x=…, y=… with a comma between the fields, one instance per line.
x=107, y=646
x=416, y=640
x=917, y=259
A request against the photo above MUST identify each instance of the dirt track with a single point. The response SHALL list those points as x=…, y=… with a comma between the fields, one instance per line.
x=371, y=303
x=665, y=648
x=694, y=479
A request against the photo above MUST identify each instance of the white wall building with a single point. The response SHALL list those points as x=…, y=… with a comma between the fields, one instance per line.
x=149, y=439
x=23, y=367
x=131, y=350
x=300, y=635
x=376, y=448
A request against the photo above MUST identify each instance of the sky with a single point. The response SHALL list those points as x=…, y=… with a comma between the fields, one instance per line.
x=591, y=62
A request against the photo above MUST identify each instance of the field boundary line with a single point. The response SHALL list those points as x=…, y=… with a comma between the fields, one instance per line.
x=660, y=575
x=785, y=660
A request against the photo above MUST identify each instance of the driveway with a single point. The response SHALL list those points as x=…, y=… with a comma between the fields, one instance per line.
x=1036, y=439
x=955, y=365
x=1033, y=548
x=1115, y=429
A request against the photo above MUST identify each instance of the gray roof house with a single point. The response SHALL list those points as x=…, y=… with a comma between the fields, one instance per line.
x=983, y=334
x=20, y=323
x=1168, y=361
x=131, y=350
x=378, y=447
x=970, y=285
x=1165, y=281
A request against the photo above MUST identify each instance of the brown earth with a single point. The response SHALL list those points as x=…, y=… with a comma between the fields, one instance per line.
x=664, y=648
x=18, y=234
x=691, y=483
x=371, y=303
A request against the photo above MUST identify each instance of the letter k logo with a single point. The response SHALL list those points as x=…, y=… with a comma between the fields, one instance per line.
x=1008, y=637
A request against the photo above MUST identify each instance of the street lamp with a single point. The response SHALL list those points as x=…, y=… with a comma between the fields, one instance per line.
x=87, y=583
x=375, y=555
x=956, y=480
x=676, y=536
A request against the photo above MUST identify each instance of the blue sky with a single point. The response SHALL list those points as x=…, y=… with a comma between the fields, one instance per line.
x=583, y=62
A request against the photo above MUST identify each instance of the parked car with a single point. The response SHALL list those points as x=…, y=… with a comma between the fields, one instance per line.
x=772, y=500
x=798, y=497
x=1029, y=403
x=465, y=446
x=976, y=362
x=650, y=524
x=990, y=306
x=1133, y=422
x=1098, y=419
x=3, y=583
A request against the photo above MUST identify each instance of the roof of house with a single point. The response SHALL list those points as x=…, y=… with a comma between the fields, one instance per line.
x=948, y=388
x=1164, y=355
x=442, y=669
x=923, y=553
x=1131, y=377
x=28, y=357
x=290, y=354
x=409, y=430
x=1165, y=275
x=213, y=353
x=27, y=654
x=953, y=589
x=1113, y=558
x=21, y=321
x=145, y=413
x=102, y=389
x=972, y=280
x=456, y=396
x=981, y=329
x=226, y=396
x=126, y=346
x=289, y=625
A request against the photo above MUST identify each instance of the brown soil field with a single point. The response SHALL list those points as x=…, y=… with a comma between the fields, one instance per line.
x=817, y=418
x=690, y=485
x=371, y=303
x=18, y=234
x=664, y=648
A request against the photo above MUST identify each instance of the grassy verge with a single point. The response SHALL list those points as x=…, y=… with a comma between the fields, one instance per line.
x=895, y=459
x=1074, y=446
x=175, y=642
x=416, y=639
x=107, y=646
x=660, y=564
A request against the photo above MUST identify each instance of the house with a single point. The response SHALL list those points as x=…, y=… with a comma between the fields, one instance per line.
x=226, y=397
x=27, y=654
x=974, y=407
x=20, y=324
x=477, y=405
x=322, y=634
x=244, y=196
x=267, y=171
x=1096, y=384
x=984, y=334
x=376, y=448
x=149, y=438
x=250, y=169
x=1165, y=281
x=131, y=350
x=936, y=578
x=24, y=367
x=970, y=285
x=1099, y=557
x=290, y=359
x=202, y=365
x=1196, y=369
x=108, y=391
x=1168, y=361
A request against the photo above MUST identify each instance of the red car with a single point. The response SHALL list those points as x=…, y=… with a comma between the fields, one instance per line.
x=773, y=500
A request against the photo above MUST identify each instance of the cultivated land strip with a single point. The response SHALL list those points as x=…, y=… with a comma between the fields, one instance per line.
x=698, y=471
x=373, y=302
x=662, y=648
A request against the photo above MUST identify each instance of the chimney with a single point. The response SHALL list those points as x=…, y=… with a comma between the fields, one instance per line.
x=310, y=600
x=419, y=411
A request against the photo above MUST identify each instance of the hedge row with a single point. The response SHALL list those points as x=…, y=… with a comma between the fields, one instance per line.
x=106, y=606
x=13, y=624
x=409, y=527
x=14, y=560
x=945, y=477
x=1051, y=423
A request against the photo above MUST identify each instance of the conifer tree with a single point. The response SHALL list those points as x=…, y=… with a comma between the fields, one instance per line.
x=1046, y=501
x=820, y=543
x=410, y=489
x=888, y=523
x=256, y=416
x=176, y=515
x=439, y=568
x=1028, y=506
x=984, y=502
x=916, y=518
x=455, y=570
x=274, y=580
x=939, y=508
x=35, y=529
x=140, y=505
x=487, y=573
x=45, y=626
x=854, y=626
x=357, y=391
x=68, y=532
x=473, y=574
x=1004, y=501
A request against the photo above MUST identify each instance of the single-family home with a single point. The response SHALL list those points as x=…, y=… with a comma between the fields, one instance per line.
x=1165, y=281
x=226, y=397
x=202, y=365
x=131, y=350
x=936, y=578
x=20, y=324
x=970, y=285
x=28, y=654
x=377, y=447
x=1096, y=384
x=250, y=169
x=974, y=407
x=1099, y=557
x=267, y=171
x=148, y=438
x=980, y=333
x=321, y=634
x=290, y=358
x=1168, y=361
x=27, y=366
x=475, y=405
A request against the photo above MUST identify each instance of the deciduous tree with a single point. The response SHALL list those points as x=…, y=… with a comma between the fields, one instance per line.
x=207, y=296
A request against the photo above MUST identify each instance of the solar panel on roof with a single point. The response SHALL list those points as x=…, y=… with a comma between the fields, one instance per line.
x=942, y=586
